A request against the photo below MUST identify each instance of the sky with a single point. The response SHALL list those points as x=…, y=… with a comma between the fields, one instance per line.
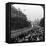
x=31, y=11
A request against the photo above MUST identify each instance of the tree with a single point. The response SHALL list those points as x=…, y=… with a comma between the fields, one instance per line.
x=42, y=22
x=18, y=20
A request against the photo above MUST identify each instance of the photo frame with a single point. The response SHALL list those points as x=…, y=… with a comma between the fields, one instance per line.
x=11, y=37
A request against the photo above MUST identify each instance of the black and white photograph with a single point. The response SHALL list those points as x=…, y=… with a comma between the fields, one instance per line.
x=26, y=22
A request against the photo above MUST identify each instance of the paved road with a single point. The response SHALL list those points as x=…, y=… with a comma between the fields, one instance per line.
x=15, y=33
